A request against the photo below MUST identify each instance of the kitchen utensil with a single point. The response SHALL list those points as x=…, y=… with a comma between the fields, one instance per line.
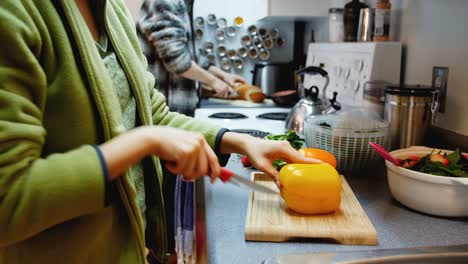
x=231, y=31
x=279, y=42
x=410, y=110
x=257, y=42
x=347, y=135
x=384, y=153
x=253, y=53
x=199, y=33
x=273, y=77
x=238, y=21
x=225, y=64
x=199, y=22
x=263, y=54
x=274, y=33
x=229, y=176
x=220, y=34
x=243, y=52
x=221, y=22
x=252, y=29
x=366, y=25
x=310, y=104
x=435, y=195
x=307, y=106
x=231, y=54
x=262, y=32
x=269, y=219
x=246, y=40
x=211, y=19
x=208, y=46
x=210, y=57
x=267, y=43
x=238, y=64
x=285, y=98
x=221, y=51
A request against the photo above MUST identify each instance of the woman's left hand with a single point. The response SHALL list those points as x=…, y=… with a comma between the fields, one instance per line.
x=261, y=152
x=233, y=79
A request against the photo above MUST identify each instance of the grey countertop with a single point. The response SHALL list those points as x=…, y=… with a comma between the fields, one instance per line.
x=396, y=225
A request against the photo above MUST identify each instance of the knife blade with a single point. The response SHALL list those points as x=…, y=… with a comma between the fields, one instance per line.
x=229, y=176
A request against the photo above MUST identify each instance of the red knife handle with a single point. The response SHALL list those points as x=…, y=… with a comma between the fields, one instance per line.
x=225, y=174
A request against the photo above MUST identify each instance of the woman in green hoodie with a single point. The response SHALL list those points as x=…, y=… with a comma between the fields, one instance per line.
x=82, y=132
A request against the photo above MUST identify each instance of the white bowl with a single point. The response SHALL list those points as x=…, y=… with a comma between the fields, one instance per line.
x=435, y=195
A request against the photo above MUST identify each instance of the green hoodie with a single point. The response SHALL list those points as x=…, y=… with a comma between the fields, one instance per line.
x=56, y=101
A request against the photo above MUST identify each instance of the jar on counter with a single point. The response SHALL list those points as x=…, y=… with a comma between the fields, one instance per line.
x=382, y=20
x=335, y=16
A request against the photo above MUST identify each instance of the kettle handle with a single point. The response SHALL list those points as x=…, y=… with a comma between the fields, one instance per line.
x=312, y=70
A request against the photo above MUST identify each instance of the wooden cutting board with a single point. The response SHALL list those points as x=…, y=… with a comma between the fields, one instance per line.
x=269, y=219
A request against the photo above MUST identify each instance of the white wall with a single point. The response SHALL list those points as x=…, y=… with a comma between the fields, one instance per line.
x=250, y=10
x=436, y=33
x=303, y=7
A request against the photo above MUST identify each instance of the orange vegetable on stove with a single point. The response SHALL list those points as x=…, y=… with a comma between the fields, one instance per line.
x=320, y=154
x=311, y=188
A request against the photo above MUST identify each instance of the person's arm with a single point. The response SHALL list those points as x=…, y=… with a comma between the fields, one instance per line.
x=185, y=153
x=164, y=29
x=229, y=78
x=197, y=73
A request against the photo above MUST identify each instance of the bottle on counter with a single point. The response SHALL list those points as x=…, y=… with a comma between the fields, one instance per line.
x=382, y=20
x=351, y=19
x=336, y=25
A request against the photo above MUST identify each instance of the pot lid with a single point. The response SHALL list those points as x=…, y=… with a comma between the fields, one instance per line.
x=410, y=90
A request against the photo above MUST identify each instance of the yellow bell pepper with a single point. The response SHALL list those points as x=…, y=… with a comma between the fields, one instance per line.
x=311, y=188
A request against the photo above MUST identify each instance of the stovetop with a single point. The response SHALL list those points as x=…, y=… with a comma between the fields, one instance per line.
x=246, y=118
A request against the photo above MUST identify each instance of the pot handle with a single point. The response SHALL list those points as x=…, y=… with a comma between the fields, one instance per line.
x=312, y=70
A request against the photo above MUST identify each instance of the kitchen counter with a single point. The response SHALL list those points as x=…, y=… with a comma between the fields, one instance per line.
x=396, y=225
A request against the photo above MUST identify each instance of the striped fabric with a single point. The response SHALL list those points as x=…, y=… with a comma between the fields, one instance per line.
x=165, y=33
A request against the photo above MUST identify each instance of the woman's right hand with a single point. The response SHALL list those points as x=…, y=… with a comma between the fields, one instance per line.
x=186, y=153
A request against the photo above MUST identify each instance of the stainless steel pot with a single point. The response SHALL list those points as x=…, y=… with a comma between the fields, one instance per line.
x=273, y=77
x=410, y=111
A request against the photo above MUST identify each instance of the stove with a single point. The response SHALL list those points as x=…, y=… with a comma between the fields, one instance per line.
x=227, y=115
x=253, y=121
x=281, y=116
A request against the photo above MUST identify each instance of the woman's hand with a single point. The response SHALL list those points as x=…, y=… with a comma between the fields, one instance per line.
x=233, y=79
x=186, y=153
x=261, y=152
x=222, y=89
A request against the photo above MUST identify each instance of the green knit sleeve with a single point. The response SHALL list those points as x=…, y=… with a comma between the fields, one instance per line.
x=36, y=192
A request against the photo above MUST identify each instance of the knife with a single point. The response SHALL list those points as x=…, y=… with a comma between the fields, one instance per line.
x=229, y=176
